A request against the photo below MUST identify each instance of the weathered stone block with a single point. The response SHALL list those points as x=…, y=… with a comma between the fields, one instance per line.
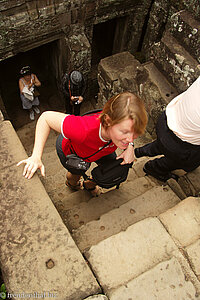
x=37, y=253
x=125, y=256
x=178, y=65
x=186, y=30
x=194, y=180
x=183, y=221
x=11, y=149
x=164, y=281
x=148, y=204
x=193, y=252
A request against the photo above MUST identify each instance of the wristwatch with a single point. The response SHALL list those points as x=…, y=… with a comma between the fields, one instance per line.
x=132, y=144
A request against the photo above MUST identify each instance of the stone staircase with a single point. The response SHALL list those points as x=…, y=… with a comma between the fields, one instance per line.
x=177, y=55
x=126, y=235
x=139, y=242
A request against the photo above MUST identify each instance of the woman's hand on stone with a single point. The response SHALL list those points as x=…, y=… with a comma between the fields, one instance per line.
x=31, y=166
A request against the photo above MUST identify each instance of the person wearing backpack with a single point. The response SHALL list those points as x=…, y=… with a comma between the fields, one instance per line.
x=93, y=137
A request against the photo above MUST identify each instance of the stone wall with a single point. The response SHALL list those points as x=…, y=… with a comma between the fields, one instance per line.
x=29, y=24
x=162, y=14
x=122, y=72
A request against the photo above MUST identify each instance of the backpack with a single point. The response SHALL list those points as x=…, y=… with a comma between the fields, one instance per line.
x=111, y=174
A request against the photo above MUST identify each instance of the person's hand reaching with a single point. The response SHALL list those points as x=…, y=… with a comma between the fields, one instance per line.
x=31, y=166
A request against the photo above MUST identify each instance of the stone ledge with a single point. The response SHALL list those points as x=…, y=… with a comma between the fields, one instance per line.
x=182, y=221
x=139, y=248
x=193, y=252
x=11, y=149
x=165, y=281
x=37, y=252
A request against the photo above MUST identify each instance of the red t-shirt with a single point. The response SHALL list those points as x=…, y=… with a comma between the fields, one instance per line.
x=83, y=133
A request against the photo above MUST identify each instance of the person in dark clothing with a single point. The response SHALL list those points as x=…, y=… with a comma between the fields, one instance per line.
x=178, y=137
x=73, y=88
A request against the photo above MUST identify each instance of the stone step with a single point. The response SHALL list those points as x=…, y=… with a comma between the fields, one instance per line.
x=164, y=281
x=183, y=221
x=193, y=178
x=27, y=134
x=37, y=251
x=167, y=91
x=151, y=203
x=177, y=64
x=126, y=255
x=96, y=207
x=186, y=30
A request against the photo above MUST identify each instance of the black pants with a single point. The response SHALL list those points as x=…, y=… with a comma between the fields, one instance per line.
x=72, y=109
x=177, y=153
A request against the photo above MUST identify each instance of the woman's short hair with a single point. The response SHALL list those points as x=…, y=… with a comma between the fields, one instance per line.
x=124, y=106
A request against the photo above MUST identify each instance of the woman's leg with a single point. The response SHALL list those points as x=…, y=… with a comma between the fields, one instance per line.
x=91, y=185
x=72, y=180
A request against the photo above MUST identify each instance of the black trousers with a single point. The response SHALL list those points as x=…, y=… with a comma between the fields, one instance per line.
x=177, y=153
x=72, y=109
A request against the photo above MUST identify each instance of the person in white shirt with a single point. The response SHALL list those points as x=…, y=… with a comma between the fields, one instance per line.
x=178, y=137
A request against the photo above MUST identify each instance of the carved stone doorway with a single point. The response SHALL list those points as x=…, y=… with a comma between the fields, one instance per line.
x=43, y=61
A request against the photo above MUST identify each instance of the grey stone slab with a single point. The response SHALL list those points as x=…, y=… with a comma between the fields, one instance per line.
x=149, y=204
x=182, y=69
x=167, y=91
x=37, y=252
x=11, y=149
x=93, y=209
x=110, y=68
x=176, y=188
x=183, y=221
x=186, y=29
x=194, y=179
x=165, y=281
x=193, y=252
x=128, y=254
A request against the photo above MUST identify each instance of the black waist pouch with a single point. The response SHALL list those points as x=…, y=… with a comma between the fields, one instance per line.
x=111, y=174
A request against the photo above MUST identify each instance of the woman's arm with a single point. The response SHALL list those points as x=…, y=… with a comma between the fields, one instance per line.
x=36, y=81
x=21, y=86
x=47, y=121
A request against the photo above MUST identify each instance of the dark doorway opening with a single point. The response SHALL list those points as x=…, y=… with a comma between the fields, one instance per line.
x=44, y=63
x=109, y=38
x=103, y=38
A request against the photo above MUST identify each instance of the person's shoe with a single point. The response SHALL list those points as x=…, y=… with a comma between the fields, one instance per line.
x=76, y=187
x=31, y=115
x=95, y=191
x=36, y=109
x=149, y=170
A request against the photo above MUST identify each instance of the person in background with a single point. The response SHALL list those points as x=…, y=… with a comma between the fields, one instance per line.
x=73, y=88
x=29, y=80
x=178, y=137
x=122, y=120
